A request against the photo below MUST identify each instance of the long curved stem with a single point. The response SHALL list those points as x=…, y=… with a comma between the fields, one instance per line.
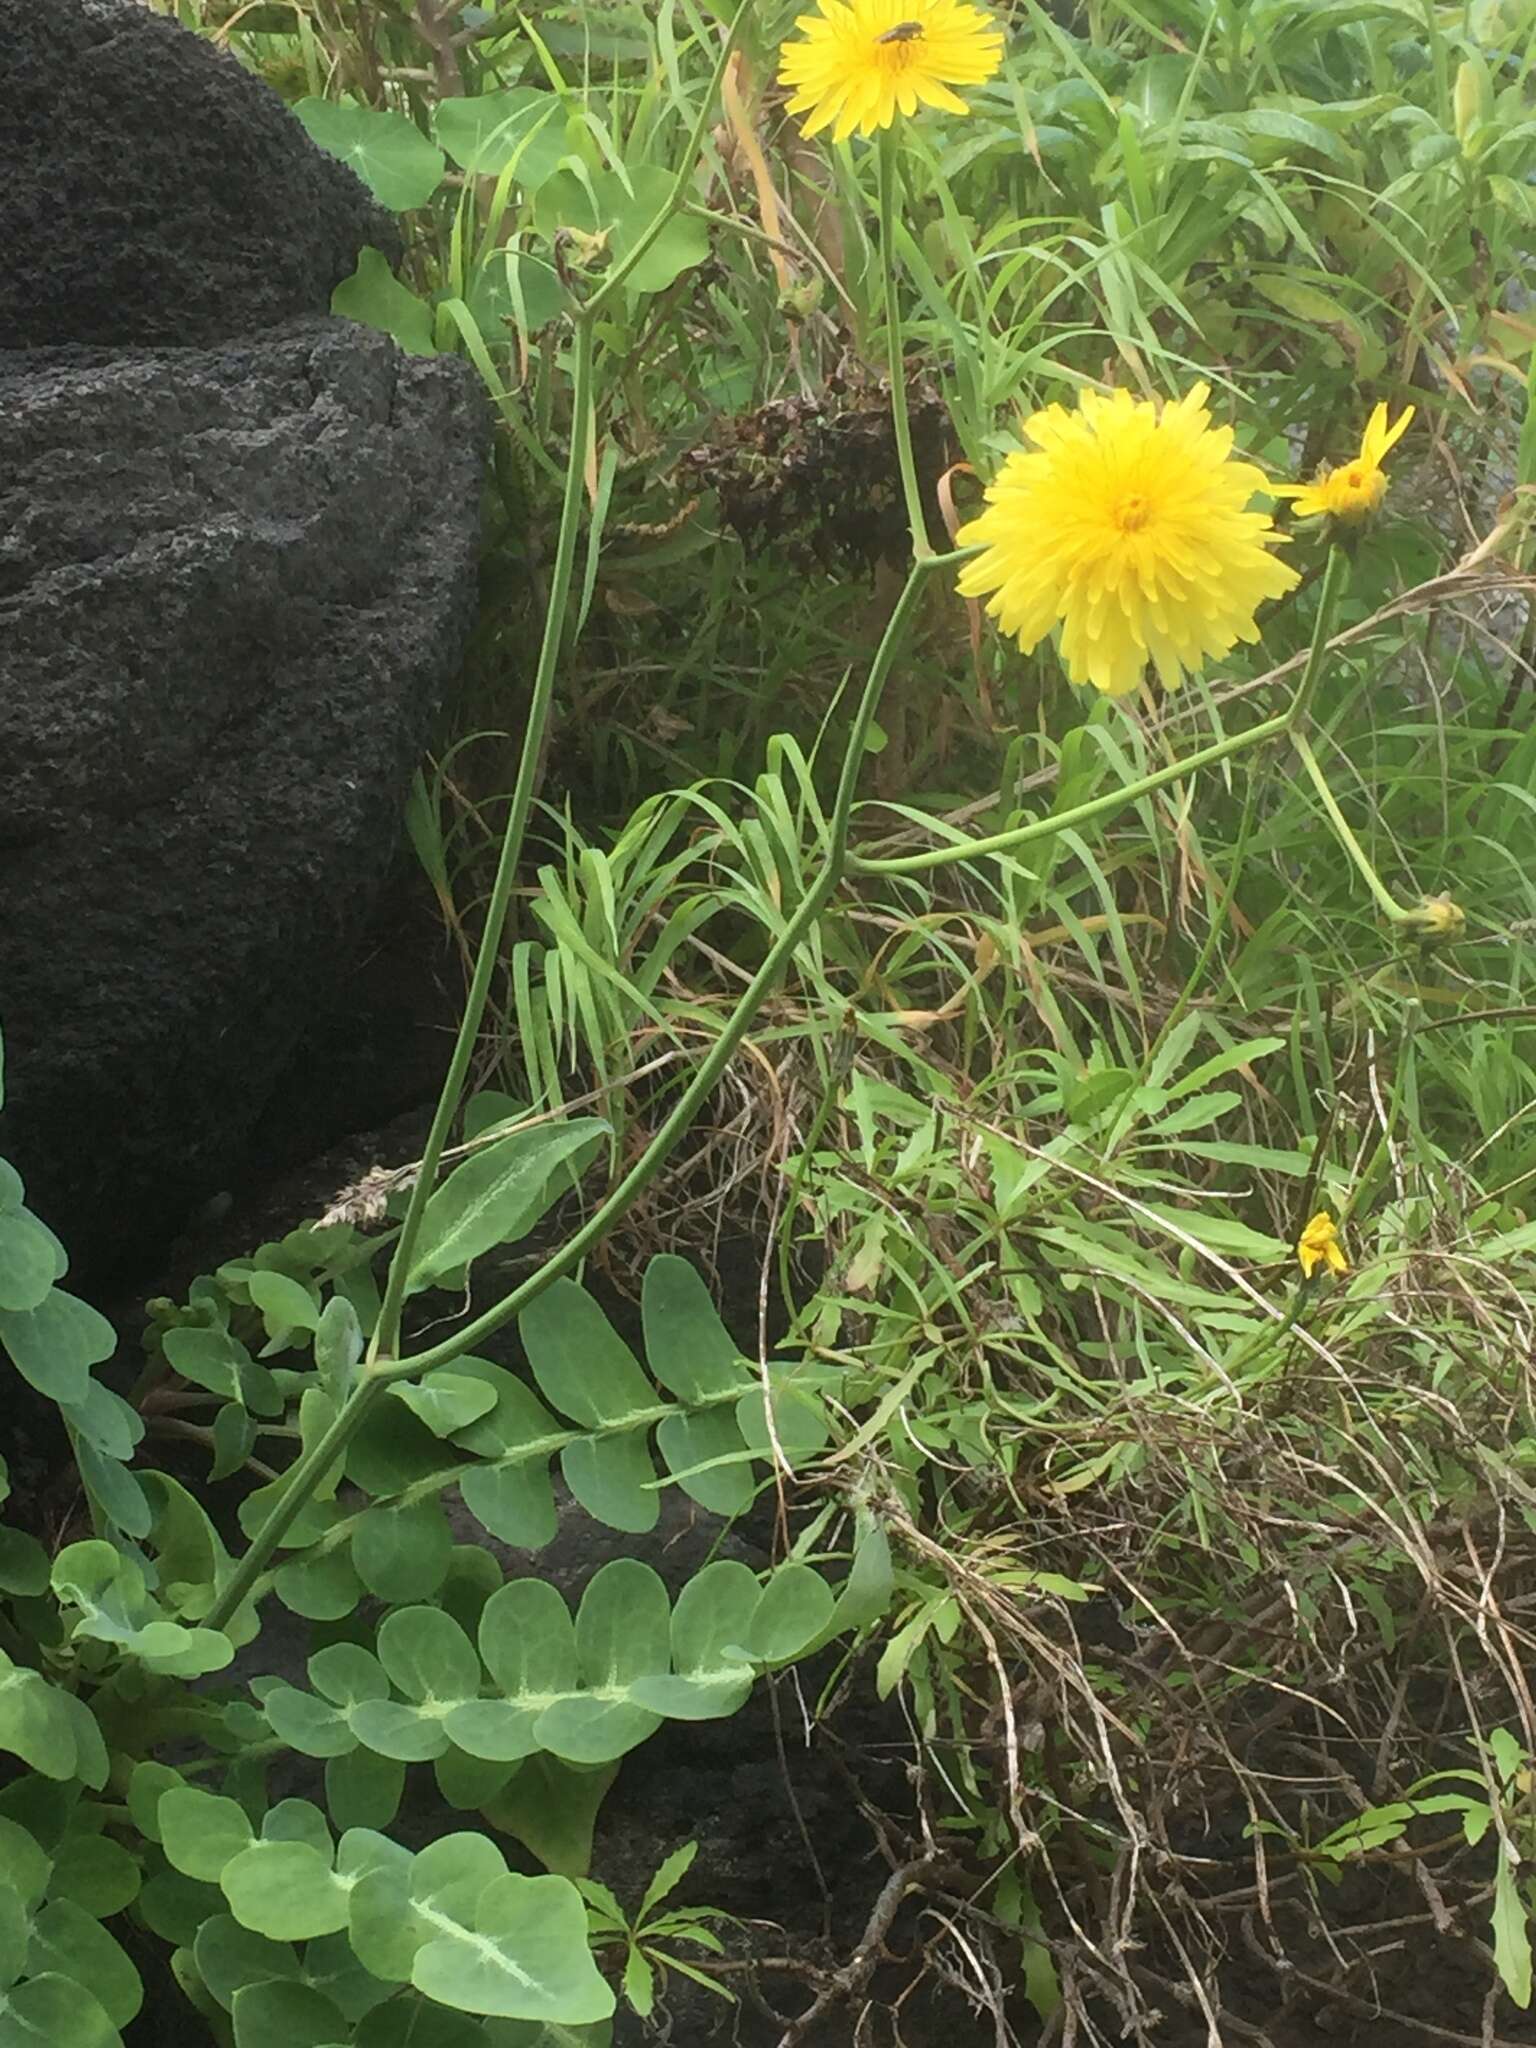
x=896, y=354
x=386, y=1335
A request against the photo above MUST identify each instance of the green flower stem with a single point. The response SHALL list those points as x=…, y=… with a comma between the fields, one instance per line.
x=1080, y=814
x=386, y=1334
x=1327, y=602
x=896, y=355
x=1116, y=799
x=1386, y=902
x=384, y=1369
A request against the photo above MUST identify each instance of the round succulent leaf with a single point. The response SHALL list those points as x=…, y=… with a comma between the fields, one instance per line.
x=613, y=1478
x=15, y=1935
x=428, y=1657
x=339, y=1346
x=24, y=1862
x=56, y=2010
x=582, y=1365
x=175, y=1907
x=114, y=1490
x=35, y=1722
x=412, y=2023
x=524, y=1957
x=516, y=1421
x=362, y=1789
x=201, y=1832
x=793, y=1613
x=331, y=1967
x=392, y=1451
x=346, y=1673
x=466, y=1782
x=687, y=1347
x=800, y=1427
x=623, y=1625
x=284, y=1890
x=55, y=1340
x=210, y=1359
x=106, y=1421
x=515, y=1503
x=384, y=1930
x=496, y=1731
x=401, y=1553
x=278, y=2014
x=394, y=1729
x=229, y=1956
x=528, y=1641
x=23, y=1564
x=68, y=1940
x=447, y=1401
x=584, y=1729
x=309, y=1725
x=28, y=1267
x=298, y=1820
x=96, y=1872
x=321, y=1586
x=285, y=1304
x=705, y=1454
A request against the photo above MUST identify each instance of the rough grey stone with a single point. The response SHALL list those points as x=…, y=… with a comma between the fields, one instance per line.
x=154, y=190
x=233, y=584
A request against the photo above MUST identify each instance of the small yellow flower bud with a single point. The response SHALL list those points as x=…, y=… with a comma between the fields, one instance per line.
x=1438, y=918
x=1319, y=1245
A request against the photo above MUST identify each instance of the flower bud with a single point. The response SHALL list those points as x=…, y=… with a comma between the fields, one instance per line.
x=1438, y=918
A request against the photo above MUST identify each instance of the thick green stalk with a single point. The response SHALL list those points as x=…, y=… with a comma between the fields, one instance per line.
x=386, y=1334
x=896, y=354
x=1389, y=906
x=1080, y=814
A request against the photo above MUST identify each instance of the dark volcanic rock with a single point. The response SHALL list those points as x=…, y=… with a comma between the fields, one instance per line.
x=233, y=584
x=154, y=191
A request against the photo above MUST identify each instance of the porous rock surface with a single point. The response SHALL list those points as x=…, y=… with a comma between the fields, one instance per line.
x=154, y=190
x=235, y=579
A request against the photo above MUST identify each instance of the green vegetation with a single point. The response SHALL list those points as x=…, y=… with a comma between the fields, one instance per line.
x=1020, y=1030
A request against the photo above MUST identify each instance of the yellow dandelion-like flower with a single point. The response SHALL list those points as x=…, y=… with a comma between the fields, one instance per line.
x=1319, y=1245
x=1354, y=490
x=864, y=61
x=1127, y=525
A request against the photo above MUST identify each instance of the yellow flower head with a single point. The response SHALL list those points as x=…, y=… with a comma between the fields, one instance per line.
x=1357, y=488
x=864, y=61
x=1319, y=1245
x=1127, y=525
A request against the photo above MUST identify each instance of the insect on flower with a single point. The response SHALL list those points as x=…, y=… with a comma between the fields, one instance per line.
x=1124, y=528
x=856, y=66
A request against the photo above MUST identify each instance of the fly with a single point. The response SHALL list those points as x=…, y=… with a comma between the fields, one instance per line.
x=903, y=32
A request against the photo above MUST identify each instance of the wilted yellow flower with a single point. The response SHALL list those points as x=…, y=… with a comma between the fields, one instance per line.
x=864, y=61
x=1438, y=917
x=1126, y=525
x=1356, y=489
x=1319, y=1245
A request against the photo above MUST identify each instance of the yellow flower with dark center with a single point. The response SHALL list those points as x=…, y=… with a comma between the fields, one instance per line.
x=864, y=61
x=1319, y=1245
x=1355, y=489
x=1127, y=525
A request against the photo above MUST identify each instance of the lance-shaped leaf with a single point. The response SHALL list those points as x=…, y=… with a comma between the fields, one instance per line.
x=498, y=1195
